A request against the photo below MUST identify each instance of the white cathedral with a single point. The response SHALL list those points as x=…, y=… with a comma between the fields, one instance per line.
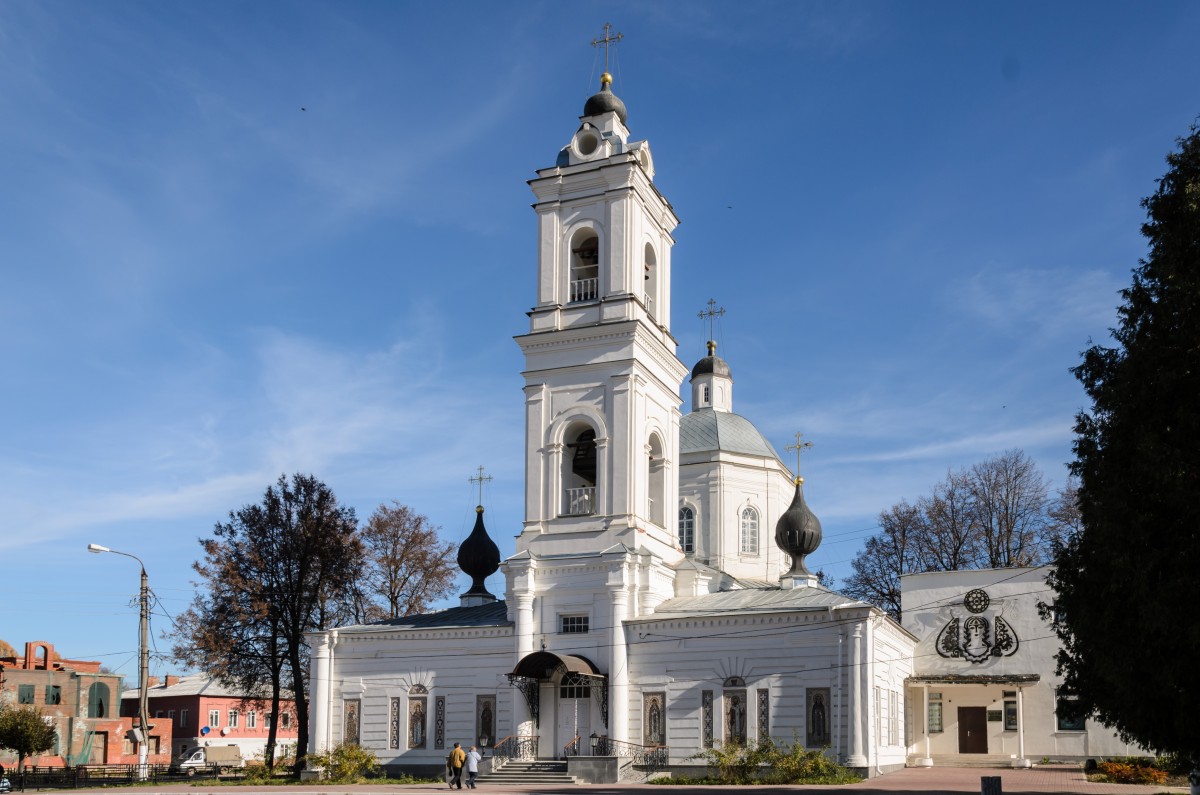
x=657, y=603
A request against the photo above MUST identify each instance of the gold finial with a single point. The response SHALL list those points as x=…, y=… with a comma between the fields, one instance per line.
x=605, y=79
x=608, y=40
x=799, y=447
x=480, y=479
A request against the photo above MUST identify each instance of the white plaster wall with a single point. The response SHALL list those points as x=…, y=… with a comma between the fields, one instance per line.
x=930, y=600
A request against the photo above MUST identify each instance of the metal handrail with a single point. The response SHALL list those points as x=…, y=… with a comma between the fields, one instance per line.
x=516, y=746
x=572, y=748
x=653, y=757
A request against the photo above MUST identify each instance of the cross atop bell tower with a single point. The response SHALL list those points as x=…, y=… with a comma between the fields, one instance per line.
x=606, y=41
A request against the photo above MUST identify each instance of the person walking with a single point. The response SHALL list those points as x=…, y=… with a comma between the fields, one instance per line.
x=473, y=758
x=457, y=758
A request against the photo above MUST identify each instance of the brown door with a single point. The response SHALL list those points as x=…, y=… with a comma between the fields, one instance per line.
x=972, y=730
x=98, y=754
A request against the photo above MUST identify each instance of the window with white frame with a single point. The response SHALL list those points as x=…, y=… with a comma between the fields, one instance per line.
x=214, y=718
x=251, y=720
x=285, y=720
x=893, y=718
x=934, y=719
x=687, y=529
x=183, y=717
x=749, y=531
x=1064, y=721
x=573, y=625
x=233, y=718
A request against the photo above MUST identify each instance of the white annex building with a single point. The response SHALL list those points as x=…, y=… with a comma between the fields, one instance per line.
x=985, y=683
x=658, y=603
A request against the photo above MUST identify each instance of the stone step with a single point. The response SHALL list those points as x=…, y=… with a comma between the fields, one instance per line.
x=968, y=760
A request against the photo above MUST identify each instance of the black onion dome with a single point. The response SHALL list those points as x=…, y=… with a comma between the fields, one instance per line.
x=604, y=100
x=712, y=364
x=798, y=532
x=479, y=556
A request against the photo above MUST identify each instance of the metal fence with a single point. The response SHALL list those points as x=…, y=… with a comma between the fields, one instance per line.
x=87, y=776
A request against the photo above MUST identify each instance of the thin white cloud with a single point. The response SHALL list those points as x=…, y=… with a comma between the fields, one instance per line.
x=1039, y=303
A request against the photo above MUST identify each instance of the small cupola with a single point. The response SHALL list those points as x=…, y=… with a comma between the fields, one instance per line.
x=605, y=101
x=798, y=533
x=479, y=558
x=712, y=382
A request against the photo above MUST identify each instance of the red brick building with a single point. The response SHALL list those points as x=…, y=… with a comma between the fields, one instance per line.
x=81, y=701
x=201, y=711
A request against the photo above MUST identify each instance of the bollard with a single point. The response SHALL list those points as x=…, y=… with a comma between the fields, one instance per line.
x=990, y=785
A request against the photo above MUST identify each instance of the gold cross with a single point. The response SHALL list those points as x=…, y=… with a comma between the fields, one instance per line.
x=710, y=313
x=606, y=41
x=480, y=479
x=799, y=447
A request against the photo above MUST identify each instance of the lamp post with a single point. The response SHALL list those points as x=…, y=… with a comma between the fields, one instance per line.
x=143, y=733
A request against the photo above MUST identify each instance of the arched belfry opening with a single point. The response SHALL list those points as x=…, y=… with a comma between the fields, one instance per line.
x=584, y=281
x=579, y=472
x=656, y=479
x=650, y=268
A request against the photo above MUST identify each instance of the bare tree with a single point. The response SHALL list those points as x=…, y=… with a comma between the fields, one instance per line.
x=950, y=540
x=408, y=567
x=1010, y=507
x=888, y=554
x=995, y=514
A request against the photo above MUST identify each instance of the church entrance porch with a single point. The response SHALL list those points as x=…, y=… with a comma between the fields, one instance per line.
x=963, y=719
x=567, y=698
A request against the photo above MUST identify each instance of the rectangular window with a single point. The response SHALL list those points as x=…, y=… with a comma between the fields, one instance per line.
x=285, y=720
x=214, y=718
x=1010, y=716
x=251, y=720
x=893, y=718
x=25, y=694
x=171, y=715
x=934, y=720
x=158, y=713
x=183, y=718
x=1065, y=722
x=233, y=718
x=53, y=694
x=572, y=625
x=574, y=691
x=267, y=722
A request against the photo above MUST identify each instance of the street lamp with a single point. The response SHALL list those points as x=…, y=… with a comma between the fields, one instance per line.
x=143, y=734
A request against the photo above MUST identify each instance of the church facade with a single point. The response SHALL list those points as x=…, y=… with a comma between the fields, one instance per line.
x=657, y=603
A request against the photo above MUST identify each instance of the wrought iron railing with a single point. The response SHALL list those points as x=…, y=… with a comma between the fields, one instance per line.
x=516, y=746
x=580, y=501
x=572, y=748
x=651, y=757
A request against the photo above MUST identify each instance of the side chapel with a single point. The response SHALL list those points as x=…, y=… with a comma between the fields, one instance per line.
x=658, y=602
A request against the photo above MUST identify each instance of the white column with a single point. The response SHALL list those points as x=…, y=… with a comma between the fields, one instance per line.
x=1021, y=760
x=618, y=669
x=522, y=719
x=857, y=713
x=321, y=674
x=927, y=760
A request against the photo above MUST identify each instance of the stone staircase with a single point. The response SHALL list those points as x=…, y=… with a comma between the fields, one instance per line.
x=968, y=760
x=537, y=773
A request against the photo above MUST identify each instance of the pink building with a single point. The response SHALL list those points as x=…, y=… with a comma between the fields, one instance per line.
x=201, y=711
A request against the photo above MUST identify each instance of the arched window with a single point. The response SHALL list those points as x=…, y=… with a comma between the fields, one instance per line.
x=98, y=705
x=687, y=529
x=749, y=534
x=657, y=481
x=650, y=266
x=584, y=283
x=579, y=472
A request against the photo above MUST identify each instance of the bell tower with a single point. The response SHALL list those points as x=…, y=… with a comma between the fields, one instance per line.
x=601, y=374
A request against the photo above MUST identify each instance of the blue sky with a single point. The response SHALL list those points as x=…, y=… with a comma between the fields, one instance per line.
x=915, y=214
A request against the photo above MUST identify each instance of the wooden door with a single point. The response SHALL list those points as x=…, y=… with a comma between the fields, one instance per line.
x=98, y=753
x=972, y=730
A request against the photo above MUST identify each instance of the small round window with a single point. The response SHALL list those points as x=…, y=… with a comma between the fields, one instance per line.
x=586, y=143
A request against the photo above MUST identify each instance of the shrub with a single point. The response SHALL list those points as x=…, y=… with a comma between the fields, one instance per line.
x=349, y=763
x=1132, y=772
x=773, y=763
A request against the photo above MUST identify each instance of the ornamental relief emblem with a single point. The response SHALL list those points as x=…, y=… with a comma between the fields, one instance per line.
x=974, y=638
